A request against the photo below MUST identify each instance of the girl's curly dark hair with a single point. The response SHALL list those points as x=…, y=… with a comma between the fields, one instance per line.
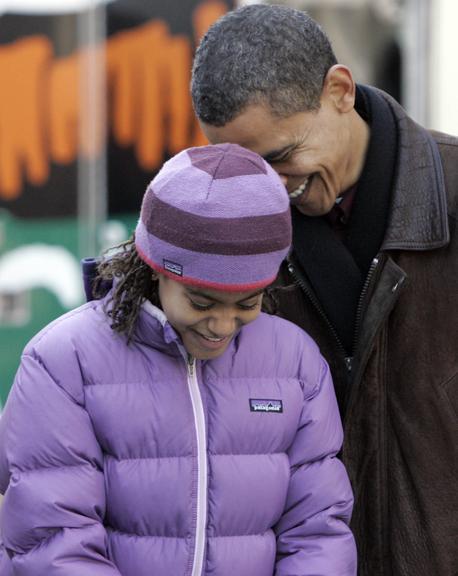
x=134, y=281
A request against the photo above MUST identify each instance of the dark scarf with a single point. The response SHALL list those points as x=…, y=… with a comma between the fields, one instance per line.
x=337, y=269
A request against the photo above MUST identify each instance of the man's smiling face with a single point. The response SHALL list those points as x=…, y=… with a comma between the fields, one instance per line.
x=318, y=154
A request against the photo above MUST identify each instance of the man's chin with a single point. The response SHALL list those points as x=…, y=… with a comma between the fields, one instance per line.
x=312, y=212
x=309, y=206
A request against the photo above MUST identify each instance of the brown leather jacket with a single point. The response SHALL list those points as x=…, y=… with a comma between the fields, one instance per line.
x=399, y=393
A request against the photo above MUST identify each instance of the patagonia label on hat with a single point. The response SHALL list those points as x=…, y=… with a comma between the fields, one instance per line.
x=173, y=267
x=261, y=405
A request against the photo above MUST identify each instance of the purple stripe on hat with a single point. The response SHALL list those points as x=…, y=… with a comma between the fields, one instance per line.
x=230, y=236
x=235, y=163
x=197, y=193
x=206, y=269
x=181, y=184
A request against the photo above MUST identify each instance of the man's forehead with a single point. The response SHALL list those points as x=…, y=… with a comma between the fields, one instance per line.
x=254, y=128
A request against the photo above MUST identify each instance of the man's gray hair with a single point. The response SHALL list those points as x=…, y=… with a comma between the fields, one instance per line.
x=274, y=55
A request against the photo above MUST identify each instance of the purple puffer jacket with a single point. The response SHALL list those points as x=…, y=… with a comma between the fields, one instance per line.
x=131, y=460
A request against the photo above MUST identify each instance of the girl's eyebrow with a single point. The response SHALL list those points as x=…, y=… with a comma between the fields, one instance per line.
x=194, y=292
x=257, y=293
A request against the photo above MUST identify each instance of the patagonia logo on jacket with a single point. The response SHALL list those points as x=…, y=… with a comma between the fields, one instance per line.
x=259, y=405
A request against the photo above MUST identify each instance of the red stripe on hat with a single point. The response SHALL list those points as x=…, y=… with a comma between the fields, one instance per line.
x=204, y=283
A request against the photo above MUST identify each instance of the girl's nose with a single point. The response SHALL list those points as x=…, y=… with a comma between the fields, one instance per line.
x=223, y=325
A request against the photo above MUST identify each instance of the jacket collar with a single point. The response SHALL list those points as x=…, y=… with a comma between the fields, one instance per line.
x=153, y=329
x=418, y=215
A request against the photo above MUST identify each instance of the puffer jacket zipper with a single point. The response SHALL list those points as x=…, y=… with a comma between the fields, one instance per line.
x=202, y=476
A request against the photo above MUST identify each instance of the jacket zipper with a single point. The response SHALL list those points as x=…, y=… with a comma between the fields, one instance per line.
x=359, y=310
x=202, y=477
x=299, y=280
x=362, y=300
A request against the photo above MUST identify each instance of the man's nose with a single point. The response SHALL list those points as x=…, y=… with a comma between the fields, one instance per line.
x=283, y=177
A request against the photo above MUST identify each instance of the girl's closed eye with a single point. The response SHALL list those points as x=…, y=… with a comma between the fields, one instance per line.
x=201, y=306
x=249, y=305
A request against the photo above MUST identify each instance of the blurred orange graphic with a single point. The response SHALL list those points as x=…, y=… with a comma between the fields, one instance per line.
x=44, y=114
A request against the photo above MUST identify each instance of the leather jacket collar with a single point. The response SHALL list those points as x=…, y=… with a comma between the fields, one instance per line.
x=418, y=217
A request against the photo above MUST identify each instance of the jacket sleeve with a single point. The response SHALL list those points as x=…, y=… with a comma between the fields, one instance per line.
x=51, y=519
x=313, y=536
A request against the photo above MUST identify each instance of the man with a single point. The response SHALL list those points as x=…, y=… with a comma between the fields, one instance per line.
x=373, y=275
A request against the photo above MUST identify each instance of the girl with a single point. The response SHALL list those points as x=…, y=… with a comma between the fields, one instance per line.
x=171, y=428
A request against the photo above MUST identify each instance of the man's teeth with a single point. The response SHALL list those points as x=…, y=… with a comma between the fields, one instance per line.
x=299, y=190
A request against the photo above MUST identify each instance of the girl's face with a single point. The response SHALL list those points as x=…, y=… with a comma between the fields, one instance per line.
x=206, y=320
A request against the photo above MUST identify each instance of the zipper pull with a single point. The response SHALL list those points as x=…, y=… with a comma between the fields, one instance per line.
x=291, y=269
x=191, y=364
x=349, y=363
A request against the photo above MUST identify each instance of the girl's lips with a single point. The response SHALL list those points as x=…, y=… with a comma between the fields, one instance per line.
x=212, y=343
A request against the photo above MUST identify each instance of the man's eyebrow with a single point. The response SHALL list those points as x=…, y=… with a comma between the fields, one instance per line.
x=273, y=154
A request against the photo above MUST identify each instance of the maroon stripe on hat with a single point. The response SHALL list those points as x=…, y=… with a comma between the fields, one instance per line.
x=228, y=236
x=237, y=161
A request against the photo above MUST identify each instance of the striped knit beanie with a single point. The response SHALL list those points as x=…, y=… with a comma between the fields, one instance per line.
x=215, y=217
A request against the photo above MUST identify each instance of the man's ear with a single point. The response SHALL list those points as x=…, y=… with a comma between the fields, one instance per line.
x=340, y=87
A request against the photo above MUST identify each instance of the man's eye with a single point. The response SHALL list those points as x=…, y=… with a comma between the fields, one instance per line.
x=278, y=159
x=200, y=306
